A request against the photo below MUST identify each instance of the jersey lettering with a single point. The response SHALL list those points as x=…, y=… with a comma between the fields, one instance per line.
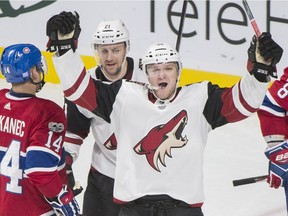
x=10, y=167
x=283, y=92
x=12, y=126
x=56, y=143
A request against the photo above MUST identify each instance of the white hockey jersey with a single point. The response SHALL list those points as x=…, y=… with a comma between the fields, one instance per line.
x=160, y=145
x=80, y=121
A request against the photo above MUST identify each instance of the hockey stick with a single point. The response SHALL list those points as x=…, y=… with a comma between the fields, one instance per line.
x=256, y=179
x=249, y=180
x=180, y=31
x=251, y=18
x=254, y=25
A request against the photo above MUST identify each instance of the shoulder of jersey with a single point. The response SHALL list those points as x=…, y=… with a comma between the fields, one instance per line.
x=136, y=82
x=48, y=105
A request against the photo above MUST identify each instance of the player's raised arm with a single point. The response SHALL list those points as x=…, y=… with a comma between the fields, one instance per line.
x=76, y=83
x=245, y=98
x=63, y=31
x=263, y=55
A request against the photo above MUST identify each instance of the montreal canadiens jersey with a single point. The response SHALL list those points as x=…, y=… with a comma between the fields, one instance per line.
x=80, y=121
x=160, y=144
x=274, y=108
x=31, y=155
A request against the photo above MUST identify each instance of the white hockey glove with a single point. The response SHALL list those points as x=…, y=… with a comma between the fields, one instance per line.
x=63, y=31
x=64, y=204
x=263, y=55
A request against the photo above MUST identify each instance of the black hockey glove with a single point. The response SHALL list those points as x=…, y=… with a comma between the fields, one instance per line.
x=63, y=31
x=74, y=186
x=263, y=55
x=269, y=49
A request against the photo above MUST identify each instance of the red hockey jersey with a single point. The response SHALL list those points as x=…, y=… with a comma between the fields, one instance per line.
x=273, y=112
x=31, y=155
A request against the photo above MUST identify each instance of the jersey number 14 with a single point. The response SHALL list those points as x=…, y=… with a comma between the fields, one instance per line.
x=10, y=167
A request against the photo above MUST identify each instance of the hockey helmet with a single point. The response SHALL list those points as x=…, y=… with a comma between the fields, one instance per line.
x=160, y=53
x=17, y=60
x=111, y=32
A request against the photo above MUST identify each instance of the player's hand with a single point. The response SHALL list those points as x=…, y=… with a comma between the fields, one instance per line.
x=278, y=165
x=263, y=55
x=65, y=203
x=74, y=186
x=63, y=31
x=269, y=50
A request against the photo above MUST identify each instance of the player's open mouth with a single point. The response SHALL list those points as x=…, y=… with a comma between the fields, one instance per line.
x=163, y=85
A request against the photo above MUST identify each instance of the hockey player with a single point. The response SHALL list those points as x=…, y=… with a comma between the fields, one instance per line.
x=273, y=122
x=33, y=180
x=274, y=126
x=111, y=44
x=154, y=122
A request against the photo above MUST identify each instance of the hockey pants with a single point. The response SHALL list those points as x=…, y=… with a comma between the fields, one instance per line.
x=98, y=197
x=161, y=207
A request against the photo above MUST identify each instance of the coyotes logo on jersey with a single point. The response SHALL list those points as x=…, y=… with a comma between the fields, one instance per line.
x=111, y=142
x=161, y=139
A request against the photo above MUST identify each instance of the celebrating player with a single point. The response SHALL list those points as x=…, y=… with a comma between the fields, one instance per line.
x=33, y=180
x=161, y=129
x=111, y=44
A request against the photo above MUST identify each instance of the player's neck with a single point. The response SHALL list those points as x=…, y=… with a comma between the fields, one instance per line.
x=26, y=88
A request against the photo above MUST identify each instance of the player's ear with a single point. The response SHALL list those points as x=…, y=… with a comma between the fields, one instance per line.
x=34, y=74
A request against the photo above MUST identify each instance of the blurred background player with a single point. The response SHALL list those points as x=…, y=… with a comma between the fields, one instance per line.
x=274, y=126
x=33, y=179
x=160, y=119
x=111, y=44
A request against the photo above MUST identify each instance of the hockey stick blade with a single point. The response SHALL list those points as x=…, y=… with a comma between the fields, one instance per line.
x=251, y=18
x=250, y=180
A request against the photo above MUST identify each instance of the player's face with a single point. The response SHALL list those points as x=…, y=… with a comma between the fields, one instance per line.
x=111, y=58
x=163, y=79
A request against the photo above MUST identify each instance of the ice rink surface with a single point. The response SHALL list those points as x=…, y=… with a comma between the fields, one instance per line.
x=233, y=151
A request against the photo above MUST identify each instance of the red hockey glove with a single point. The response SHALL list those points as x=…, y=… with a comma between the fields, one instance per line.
x=263, y=55
x=74, y=186
x=278, y=165
x=65, y=203
x=63, y=31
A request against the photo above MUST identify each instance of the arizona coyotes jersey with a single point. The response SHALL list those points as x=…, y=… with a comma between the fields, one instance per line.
x=160, y=144
x=274, y=108
x=31, y=157
x=80, y=121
